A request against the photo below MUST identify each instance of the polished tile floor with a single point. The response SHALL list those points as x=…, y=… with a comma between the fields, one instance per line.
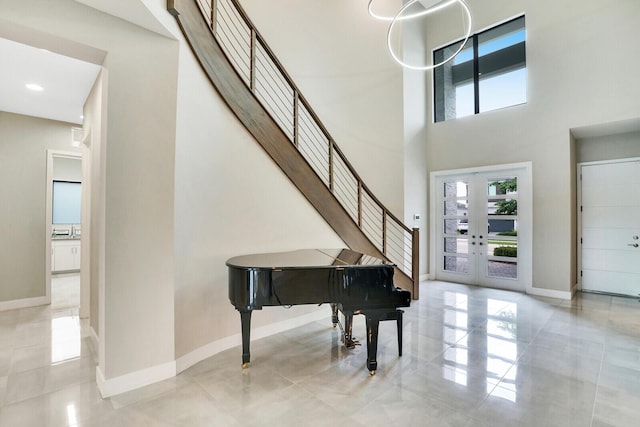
x=472, y=357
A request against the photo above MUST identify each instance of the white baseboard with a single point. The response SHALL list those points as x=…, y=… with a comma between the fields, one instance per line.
x=424, y=277
x=220, y=345
x=24, y=303
x=550, y=293
x=134, y=380
x=144, y=377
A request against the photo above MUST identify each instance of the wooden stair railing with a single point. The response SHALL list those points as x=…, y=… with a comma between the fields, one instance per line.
x=255, y=86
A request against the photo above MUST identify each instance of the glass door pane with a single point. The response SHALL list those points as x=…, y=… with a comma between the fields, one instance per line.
x=502, y=223
x=455, y=254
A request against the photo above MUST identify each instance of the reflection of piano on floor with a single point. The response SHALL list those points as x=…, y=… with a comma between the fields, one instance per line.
x=351, y=282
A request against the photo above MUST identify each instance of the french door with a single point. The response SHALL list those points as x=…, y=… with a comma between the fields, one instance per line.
x=483, y=228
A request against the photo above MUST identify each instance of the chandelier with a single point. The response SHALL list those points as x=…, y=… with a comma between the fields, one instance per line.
x=401, y=16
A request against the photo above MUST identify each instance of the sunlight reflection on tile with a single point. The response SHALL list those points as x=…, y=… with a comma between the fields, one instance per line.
x=502, y=348
x=506, y=391
x=452, y=335
x=456, y=299
x=455, y=374
x=502, y=328
x=494, y=306
x=71, y=415
x=456, y=318
x=65, y=339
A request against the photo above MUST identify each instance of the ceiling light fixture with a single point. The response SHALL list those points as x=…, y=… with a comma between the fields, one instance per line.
x=407, y=17
x=400, y=16
x=34, y=87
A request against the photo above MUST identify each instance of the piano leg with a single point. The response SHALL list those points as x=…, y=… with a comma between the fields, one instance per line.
x=399, y=326
x=245, y=319
x=348, y=330
x=373, y=321
x=334, y=314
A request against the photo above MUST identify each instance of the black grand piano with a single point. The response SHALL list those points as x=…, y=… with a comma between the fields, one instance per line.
x=352, y=282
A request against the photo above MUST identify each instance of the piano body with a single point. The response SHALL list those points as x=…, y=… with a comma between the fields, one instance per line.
x=352, y=282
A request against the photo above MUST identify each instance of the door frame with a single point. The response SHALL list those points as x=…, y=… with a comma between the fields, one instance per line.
x=525, y=194
x=579, y=204
x=51, y=154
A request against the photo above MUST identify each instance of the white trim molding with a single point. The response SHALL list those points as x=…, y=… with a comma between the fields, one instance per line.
x=549, y=293
x=144, y=377
x=24, y=303
x=220, y=345
x=134, y=380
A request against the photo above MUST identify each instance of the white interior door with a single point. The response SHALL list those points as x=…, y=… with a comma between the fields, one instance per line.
x=610, y=227
x=483, y=229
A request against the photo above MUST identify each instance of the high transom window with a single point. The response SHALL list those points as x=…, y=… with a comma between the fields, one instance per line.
x=488, y=74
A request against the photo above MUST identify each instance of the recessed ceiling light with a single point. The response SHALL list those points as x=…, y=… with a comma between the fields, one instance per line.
x=35, y=87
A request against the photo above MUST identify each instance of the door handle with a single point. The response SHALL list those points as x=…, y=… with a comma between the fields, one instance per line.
x=635, y=245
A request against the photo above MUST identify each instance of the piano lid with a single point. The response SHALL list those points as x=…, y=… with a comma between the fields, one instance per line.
x=306, y=258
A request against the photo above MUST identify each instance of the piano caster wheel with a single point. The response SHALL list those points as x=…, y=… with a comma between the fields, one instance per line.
x=335, y=324
x=245, y=365
x=372, y=373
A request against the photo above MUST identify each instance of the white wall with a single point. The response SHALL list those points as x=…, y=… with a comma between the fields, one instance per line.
x=608, y=147
x=137, y=331
x=231, y=199
x=415, y=150
x=336, y=54
x=581, y=71
x=93, y=234
x=139, y=185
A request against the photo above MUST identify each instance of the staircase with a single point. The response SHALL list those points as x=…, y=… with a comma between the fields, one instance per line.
x=262, y=95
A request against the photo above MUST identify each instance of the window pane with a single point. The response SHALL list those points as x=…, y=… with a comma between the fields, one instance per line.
x=450, y=226
x=464, y=101
x=505, y=270
x=502, y=206
x=450, y=207
x=456, y=245
x=453, y=83
x=501, y=37
x=502, y=186
x=456, y=189
x=66, y=202
x=503, y=90
x=502, y=66
x=456, y=263
x=501, y=73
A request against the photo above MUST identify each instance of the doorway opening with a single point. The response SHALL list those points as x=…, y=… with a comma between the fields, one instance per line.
x=64, y=228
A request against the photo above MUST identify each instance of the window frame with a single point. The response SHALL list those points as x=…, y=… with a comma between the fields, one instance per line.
x=472, y=42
